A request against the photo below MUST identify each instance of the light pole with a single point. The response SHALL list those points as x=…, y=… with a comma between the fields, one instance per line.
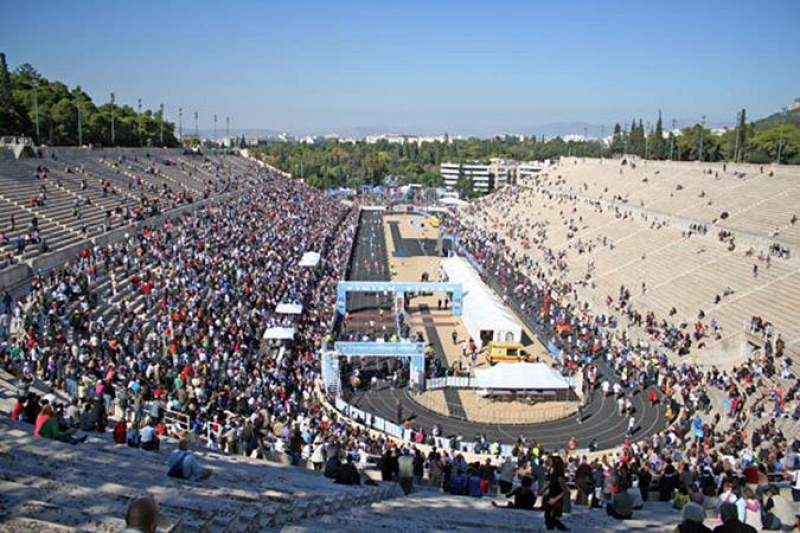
x=36, y=108
x=113, y=113
x=161, y=122
x=228, y=128
x=196, y=129
x=780, y=134
x=215, y=128
x=647, y=142
x=80, y=123
x=180, y=123
x=702, y=130
x=139, y=106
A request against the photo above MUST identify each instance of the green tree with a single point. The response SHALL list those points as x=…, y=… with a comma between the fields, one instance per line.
x=657, y=139
x=740, y=135
x=10, y=120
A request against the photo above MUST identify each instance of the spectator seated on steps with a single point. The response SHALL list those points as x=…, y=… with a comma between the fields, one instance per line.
x=348, y=473
x=524, y=495
x=184, y=465
x=47, y=426
x=621, y=504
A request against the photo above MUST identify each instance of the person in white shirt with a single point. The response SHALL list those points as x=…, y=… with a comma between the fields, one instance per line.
x=149, y=439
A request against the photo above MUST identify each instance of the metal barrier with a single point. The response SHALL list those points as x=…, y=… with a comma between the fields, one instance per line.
x=453, y=382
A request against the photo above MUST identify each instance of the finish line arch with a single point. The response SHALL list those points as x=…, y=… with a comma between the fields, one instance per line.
x=415, y=351
x=396, y=287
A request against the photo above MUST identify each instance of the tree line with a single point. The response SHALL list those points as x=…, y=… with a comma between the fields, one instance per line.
x=330, y=163
x=764, y=141
x=51, y=113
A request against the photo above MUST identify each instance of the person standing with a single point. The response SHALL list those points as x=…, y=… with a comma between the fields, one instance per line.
x=506, y=476
x=554, y=499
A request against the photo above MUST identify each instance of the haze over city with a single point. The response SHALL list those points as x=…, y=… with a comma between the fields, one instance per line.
x=469, y=68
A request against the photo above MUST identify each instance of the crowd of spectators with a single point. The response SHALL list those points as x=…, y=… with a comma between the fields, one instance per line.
x=725, y=441
x=193, y=296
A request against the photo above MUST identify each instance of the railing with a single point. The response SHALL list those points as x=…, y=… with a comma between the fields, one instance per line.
x=454, y=382
x=171, y=417
x=10, y=141
x=400, y=432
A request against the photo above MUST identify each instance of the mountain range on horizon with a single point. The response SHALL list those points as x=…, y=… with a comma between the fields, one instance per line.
x=552, y=129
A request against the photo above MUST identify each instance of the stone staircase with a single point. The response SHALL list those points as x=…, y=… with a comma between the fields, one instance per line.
x=434, y=512
x=50, y=486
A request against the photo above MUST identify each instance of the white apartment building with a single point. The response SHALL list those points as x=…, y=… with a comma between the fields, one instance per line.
x=526, y=169
x=481, y=177
x=486, y=178
x=450, y=173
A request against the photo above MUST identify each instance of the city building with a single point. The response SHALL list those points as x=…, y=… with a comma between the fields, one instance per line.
x=486, y=178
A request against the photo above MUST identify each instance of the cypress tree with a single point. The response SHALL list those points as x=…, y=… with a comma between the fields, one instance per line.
x=8, y=115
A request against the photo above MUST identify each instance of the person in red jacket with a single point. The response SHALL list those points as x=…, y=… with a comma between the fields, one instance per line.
x=121, y=432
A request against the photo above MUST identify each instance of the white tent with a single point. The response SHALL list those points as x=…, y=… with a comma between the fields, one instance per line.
x=520, y=376
x=453, y=201
x=483, y=311
x=278, y=333
x=310, y=259
x=289, y=308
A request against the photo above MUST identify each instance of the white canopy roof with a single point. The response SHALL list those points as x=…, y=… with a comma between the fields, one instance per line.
x=277, y=333
x=453, y=201
x=289, y=308
x=515, y=376
x=482, y=308
x=309, y=259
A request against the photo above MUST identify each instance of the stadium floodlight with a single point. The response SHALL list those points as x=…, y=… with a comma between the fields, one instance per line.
x=113, y=114
x=139, y=106
x=80, y=122
x=36, y=107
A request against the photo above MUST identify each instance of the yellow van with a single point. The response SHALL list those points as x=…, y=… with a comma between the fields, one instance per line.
x=507, y=352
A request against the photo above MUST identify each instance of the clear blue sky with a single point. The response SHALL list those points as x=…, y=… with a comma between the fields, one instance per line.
x=418, y=66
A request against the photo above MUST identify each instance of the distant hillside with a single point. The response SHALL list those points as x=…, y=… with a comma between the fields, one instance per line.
x=776, y=119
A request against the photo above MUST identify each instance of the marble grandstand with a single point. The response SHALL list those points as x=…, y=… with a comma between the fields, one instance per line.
x=48, y=486
x=75, y=196
x=690, y=242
